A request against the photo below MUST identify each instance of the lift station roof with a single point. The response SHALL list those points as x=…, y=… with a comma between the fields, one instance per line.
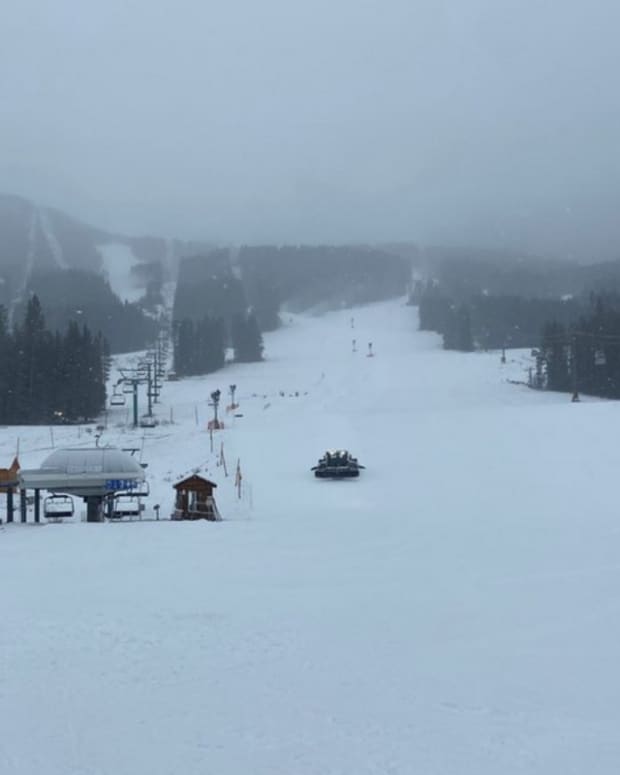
x=84, y=472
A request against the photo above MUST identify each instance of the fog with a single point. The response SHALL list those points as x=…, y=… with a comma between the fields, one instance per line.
x=491, y=122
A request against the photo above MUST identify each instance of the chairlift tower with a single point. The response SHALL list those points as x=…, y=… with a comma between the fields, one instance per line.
x=134, y=378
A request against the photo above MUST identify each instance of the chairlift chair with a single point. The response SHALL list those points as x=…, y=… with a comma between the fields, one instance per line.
x=142, y=490
x=127, y=387
x=125, y=505
x=117, y=399
x=56, y=507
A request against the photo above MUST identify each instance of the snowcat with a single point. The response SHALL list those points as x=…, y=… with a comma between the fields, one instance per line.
x=337, y=464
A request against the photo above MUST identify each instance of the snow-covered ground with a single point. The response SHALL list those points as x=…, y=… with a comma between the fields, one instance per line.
x=453, y=611
x=117, y=260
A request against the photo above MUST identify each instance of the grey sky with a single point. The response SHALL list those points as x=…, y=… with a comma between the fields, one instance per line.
x=487, y=121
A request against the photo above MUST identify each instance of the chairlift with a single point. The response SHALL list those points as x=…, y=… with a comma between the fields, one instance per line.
x=117, y=399
x=141, y=490
x=126, y=506
x=127, y=387
x=148, y=421
x=56, y=507
x=599, y=358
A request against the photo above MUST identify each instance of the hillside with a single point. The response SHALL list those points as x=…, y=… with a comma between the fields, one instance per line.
x=36, y=238
x=451, y=611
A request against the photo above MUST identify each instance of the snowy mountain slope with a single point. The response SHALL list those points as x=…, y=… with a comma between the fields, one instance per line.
x=452, y=611
x=117, y=262
x=33, y=237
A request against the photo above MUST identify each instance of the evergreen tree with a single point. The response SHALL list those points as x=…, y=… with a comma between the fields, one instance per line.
x=52, y=378
x=247, y=339
x=199, y=347
x=6, y=359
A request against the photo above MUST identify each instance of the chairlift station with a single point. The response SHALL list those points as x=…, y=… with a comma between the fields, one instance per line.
x=94, y=474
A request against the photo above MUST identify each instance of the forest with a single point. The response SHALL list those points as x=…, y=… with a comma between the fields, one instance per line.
x=50, y=377
x=482, y=305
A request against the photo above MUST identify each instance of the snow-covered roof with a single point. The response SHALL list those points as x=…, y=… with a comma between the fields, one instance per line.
x=82, y=460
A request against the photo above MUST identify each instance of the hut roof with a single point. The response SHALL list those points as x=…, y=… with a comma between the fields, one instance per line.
x=194, y=482
x=10, y=474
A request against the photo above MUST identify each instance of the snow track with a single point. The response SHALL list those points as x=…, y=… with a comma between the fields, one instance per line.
x=52, y=241
x=451, y=611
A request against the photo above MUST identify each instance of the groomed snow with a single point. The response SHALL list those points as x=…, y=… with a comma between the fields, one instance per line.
x=453, y=611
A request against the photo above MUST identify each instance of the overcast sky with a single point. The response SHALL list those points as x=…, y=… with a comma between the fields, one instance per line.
x=484, y=121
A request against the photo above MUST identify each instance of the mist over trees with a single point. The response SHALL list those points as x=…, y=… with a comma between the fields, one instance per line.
x=576, y=337
x=206, y=285
x=245, y=291
x=585, y=356
x=199, y=345
x=325, y=276
x=53, y=377
x=247, y=340
x=75, y=294
x=490, y=322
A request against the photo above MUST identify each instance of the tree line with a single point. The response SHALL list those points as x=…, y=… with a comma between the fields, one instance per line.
x=200, y=345
x=487, y=322
x=50, y=377
x=125, y=325
x=326, y=276
x=576, y=341
x=583, y=357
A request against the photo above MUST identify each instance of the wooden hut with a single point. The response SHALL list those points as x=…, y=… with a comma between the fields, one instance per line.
x=9, y=480
x=194, y=499
x=9, y=476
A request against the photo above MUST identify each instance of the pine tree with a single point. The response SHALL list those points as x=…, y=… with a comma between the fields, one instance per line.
x=247, y=339
x=199, y=347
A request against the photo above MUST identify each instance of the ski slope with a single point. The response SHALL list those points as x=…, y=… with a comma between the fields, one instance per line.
x=117, y=261
x=453, y=611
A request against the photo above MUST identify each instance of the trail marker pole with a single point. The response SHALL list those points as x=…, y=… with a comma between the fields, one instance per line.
x=575, y=397
x=238, y=478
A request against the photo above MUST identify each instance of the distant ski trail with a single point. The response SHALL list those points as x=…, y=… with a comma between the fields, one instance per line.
x=48, y=232
x=30, y=254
